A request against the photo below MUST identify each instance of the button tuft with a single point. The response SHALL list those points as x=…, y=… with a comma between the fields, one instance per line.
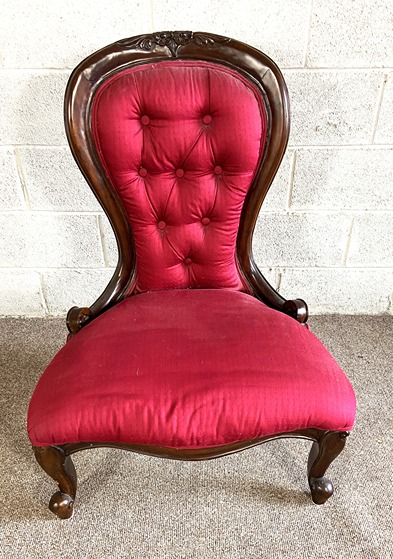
x=161, y=225
x=187, y=261
x=145, y=120
x=207, y=119
x=142, y=172
x=179, y=173
x=205, y=221
x=217, y=170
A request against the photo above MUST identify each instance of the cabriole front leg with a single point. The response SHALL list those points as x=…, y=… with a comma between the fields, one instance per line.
x=59, y=466
x=322, y=454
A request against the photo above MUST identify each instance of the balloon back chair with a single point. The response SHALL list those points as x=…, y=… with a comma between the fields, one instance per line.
x=189, y=353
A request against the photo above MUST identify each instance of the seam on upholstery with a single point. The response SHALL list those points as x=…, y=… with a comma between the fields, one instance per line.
x=230, y=187
x=143, y=146
x=152, y=144
x=129, y=182
x=202, y=243
x=169, y=195
x=209, y=89
x=173, y=248
x=149, y=199
x=212, y=149
x=192, y=146
x=124, y=173
x=138, y=92
x=191, y=276
x=215, y=194
x=227, y=185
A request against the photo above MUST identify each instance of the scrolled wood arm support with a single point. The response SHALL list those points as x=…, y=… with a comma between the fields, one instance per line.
x=297, y=309
x=78, y=317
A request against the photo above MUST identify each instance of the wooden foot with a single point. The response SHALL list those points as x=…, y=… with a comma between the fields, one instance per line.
x=322, y=454
x=59, y=467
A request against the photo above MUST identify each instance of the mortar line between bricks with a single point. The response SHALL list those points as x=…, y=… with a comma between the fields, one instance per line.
x=308, y=39
x=340, y=146
x=347, y=245
x=102, y=242
x=37, y=70
x=291, y=179
x=326, y=69
x=279, y=279
x=389, y=310
x=22, y=179
x=151, y=3
x=39, y=146
x=53, y=212
x=378, y=109
x=44, y=302
x=324, y=211
x=282, y=267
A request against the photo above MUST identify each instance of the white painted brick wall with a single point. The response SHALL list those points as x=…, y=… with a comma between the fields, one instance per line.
x=10, y=187
x=31, y=104
x=21, y=293
x=331, y=107
x=384, y=131
x=351, y=33
x=326, y=229
x=277, y=27
x=54, y=182
x=349, y=179
x=323, y=238
x=62, y=288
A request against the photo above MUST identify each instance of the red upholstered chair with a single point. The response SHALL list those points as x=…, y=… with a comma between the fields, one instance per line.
x=189, y=353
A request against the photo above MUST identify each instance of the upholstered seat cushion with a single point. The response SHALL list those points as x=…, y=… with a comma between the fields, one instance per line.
x=188, y=369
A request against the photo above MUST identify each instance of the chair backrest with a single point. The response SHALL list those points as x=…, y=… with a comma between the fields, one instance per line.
x=179, y=135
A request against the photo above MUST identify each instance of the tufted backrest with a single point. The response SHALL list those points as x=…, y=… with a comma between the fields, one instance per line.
x=179, y=135
x=181, y=142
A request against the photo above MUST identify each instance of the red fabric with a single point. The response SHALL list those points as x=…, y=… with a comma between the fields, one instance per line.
x=189, y=368
x=181, y=142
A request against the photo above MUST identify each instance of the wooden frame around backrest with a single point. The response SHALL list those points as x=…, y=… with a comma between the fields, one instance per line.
x=85, y=80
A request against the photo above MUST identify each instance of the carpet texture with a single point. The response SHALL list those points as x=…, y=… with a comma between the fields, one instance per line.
x=254, y=504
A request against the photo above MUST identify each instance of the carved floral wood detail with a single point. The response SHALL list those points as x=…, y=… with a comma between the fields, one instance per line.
x=173, y=40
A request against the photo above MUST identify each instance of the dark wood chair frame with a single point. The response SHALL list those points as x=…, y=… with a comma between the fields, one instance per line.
x=82, y=86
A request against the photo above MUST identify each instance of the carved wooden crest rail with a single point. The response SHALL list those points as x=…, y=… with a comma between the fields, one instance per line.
x=173, y=40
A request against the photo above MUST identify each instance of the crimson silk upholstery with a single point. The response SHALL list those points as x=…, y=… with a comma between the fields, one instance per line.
x=174, y=366
x=189, y=369
x=181, y=172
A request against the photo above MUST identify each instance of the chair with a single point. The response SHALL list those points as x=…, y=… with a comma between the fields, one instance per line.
x=189, y=353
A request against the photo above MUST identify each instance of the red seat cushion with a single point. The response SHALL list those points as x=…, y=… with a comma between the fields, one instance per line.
x=189, y=369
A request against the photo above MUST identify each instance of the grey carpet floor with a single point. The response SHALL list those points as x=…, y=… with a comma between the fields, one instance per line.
x=254, y=504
